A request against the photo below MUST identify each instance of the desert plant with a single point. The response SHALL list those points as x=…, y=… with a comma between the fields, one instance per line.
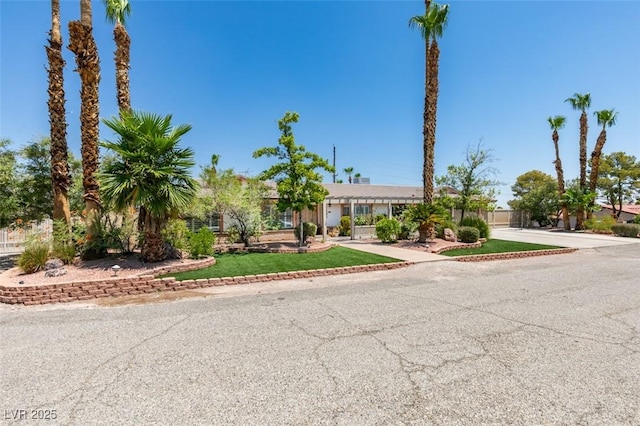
x=176, y=233
x=447, y=224
x=426, y=216
x=601, y=223
x=477, y=222
x=345, y=226
x=626, y=229
x=309, y=230
x=637, y=219
x=468, y=234
x=92, y=243
x=62, y=246
x=387, y=230
x=201, y=243
x=233, y=234
x=34, y=256
x=407, y=230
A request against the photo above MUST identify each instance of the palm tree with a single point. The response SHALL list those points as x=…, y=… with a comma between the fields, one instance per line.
x=580, y=102
x=556, y=124
x=82, y=44
x=348, y=171
x=57, y=120
x=117, y=11
x=426, y=216
x=431, y=26
x=149, y=171
x=606, y=118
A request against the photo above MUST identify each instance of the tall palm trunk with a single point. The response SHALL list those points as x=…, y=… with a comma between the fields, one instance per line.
x=82, y=44
x=57, y=120
x=122, y=58
x=432, y=106
x=427, y=166
x=558, y=163
x=595, y=163
x=584, y=127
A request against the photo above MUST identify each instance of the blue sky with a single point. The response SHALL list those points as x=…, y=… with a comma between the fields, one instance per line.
x=354, y=72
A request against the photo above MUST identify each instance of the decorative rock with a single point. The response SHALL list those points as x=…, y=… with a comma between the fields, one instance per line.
x=55, y=272
x=53, y=264
x=449, y=235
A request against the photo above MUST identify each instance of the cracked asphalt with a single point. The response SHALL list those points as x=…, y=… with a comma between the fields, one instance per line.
x=544, y=340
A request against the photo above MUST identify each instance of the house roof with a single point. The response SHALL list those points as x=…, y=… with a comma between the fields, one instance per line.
x=626, y=208
x=343, y=193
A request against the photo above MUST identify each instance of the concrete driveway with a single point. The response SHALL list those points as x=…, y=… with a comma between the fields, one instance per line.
x=546, y=340
x=579, y=240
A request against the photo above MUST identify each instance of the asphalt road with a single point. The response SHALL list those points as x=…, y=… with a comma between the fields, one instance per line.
x=546, y=340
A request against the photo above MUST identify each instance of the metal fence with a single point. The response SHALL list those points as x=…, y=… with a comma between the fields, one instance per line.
x=12, y=240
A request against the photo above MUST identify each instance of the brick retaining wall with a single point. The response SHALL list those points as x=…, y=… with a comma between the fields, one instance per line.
x=113, y=287
x=513, y=255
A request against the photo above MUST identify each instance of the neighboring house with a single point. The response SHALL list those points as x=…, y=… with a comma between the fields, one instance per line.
x=628, y=212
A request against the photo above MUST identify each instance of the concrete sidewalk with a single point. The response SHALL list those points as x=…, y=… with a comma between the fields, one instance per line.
x=408, y=255
x=579, y=240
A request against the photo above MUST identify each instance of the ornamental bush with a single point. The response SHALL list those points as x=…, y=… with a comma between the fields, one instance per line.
x=387, y=230
x=601, y=223
x=201, y=243
x=626, y=229
x=309, y=229
x=468, y=234
x=477, y=222
x=345, y=226
x=34, y=256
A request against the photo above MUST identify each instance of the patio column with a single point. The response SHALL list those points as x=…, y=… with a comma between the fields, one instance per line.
x=389, y=210
x=324, y=220
x=353, y=219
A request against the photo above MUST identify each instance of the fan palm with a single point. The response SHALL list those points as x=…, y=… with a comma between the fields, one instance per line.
x=57, y=120
x=348, y=171
x=556, y=124
x=582, y=102
x=606, y=118
x=431, y=26
x=149, y=171
x=83, y=45
x=117, y=11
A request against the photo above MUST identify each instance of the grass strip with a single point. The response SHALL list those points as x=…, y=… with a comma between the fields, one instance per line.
x=239, y=264
x=498, y=246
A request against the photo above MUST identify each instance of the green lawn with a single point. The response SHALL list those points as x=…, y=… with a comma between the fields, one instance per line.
x=239, y=264
x=498, y=246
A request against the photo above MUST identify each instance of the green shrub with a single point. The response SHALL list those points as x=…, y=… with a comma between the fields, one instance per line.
x=380, y=217
x=345, y=226
x=63, y=247
x=362, y=220
x=233, y=234
x=477, y=222
x=468, y=234
x=637, y=219
x=626, y=229
x=601, y=223
x=201, y=243
x=387, y=230
x=447, y=224
x=175, y=233
x=407, y=230
x=34, y=256
x=309, y=229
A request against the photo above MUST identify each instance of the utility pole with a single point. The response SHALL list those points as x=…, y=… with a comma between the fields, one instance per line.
x=334, y=163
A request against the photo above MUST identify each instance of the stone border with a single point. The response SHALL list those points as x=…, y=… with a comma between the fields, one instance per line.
x=113, y=287
x=458, y=247
x=513, y=255
x=254, y=249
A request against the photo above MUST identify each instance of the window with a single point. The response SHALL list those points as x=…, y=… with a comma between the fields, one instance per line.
x=277, y=219
x=345, y=210
x=362, y=209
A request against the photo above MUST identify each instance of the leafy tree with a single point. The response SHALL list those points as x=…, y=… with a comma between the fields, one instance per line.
x=606, y=118
x=34, y=189
x=556, y=124
x=619, y=179
x=8, y=180
x=238, y=198
x=431, y=26
x=297, y=181
x=473, y=180
x=117, y=12
x=537, y=193
x=150, y=170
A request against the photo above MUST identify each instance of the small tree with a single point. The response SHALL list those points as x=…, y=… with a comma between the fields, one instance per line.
x=619, y=179
x=298, y=182
x=537, y=193
x=472, y=180
x=8, y=180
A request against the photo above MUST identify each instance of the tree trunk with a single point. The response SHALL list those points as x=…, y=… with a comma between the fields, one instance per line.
x=595, y=164
x=153, y=247
x=432, y=106
x=84, y=47
x=122, y=60
x=57, y=120
x=300, y=230
x=427, y=196
x=566, y=221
